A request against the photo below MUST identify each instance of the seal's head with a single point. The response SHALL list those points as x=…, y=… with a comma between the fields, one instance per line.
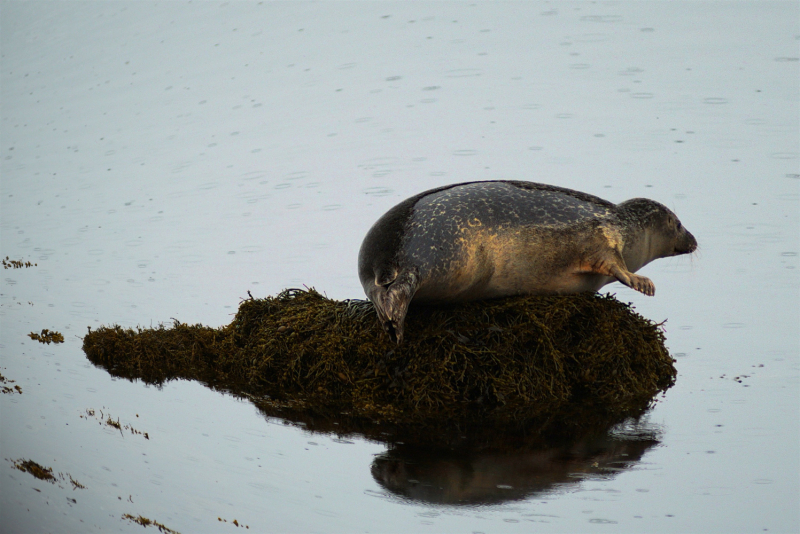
x=664, y=235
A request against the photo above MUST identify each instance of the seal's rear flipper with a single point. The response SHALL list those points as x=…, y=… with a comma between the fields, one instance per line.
x=391, y=303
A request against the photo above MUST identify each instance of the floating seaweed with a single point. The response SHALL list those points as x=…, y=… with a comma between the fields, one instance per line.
x=47, y=336
x=235, y=523
x=104, y=419
x=145, y=522
x=39, y=471
x=502, y=362
x=9, y=389
x=17, y=264
x=44, y=473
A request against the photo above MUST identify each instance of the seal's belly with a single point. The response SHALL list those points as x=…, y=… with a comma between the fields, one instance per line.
x=491, y=264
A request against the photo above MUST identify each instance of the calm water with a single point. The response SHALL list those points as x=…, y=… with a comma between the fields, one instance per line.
x=159, y=160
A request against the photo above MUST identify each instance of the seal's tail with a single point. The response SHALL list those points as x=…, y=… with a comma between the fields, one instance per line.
x=391, y=302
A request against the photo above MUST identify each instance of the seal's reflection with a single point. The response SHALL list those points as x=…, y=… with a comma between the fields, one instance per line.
x=442, y=476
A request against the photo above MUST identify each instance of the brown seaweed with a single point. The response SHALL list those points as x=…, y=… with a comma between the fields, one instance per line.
x=502, y=361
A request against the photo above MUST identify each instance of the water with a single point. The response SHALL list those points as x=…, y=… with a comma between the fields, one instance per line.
x=159, y=160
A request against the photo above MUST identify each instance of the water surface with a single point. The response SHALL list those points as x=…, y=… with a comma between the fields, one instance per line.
x=159, y=160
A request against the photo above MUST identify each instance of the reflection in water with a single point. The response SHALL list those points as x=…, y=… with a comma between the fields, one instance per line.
x=459, y=477
x=486, y=461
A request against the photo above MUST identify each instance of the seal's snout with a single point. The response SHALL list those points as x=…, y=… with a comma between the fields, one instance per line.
x=686, y=244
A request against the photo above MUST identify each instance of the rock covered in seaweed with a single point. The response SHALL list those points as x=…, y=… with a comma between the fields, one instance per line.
x=501, y=358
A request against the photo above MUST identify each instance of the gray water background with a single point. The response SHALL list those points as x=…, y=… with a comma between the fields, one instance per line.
x=159, y=160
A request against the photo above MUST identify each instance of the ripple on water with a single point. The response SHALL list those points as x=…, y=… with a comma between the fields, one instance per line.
x=602, y=18
x=714, y=100
x=254, y=175
x=325, y=513
x=630, y=71
x=377, y=191
x=714, y=491
x=759, y=230
x=45, y=253
x=753, y=237
x=297, y=175
x=589, y=38
x=463, y=73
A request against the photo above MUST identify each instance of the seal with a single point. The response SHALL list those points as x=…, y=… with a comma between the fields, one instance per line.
x=482, y=240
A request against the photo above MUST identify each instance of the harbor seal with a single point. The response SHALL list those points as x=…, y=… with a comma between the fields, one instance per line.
x=482, y=240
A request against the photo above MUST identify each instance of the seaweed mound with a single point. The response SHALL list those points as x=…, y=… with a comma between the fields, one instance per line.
x=503, y=358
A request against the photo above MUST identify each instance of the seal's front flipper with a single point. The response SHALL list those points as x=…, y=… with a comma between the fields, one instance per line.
x=391, y=302
x=642, y=284
x=613, y=265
